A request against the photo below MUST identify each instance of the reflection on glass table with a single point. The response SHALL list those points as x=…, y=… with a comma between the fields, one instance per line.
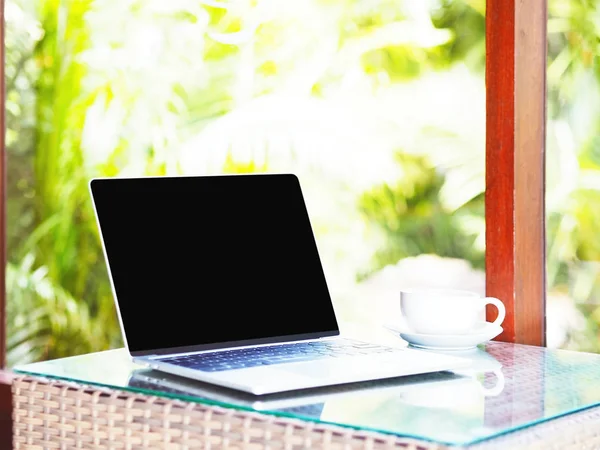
x=506, y=388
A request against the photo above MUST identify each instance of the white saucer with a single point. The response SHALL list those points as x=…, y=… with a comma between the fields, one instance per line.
x=454, y=342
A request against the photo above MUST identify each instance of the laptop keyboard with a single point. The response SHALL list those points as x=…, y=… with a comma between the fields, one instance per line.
x=276, y=354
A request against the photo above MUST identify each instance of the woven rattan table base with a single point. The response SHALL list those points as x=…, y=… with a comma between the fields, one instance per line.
x=54, y=414
x=51, y=414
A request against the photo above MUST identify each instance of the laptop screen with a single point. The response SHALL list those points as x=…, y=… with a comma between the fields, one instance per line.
x=203, y=261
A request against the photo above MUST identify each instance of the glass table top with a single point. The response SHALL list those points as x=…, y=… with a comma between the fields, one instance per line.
x=507, y=387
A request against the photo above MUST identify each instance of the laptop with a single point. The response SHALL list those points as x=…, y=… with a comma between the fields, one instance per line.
x=218, y=278
x=310, y=400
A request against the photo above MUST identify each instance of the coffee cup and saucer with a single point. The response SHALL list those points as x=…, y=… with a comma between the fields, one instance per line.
x=446, y=319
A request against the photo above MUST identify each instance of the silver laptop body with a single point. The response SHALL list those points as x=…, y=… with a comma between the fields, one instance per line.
x=383, y=390
x=212, y=268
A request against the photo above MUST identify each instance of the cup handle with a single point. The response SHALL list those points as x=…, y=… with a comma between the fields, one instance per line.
x=500, y=306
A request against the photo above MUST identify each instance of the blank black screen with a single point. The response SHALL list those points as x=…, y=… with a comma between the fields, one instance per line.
x=207, y=260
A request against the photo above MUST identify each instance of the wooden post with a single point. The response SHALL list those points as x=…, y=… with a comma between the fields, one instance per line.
x=515, y=154
x=6, y=408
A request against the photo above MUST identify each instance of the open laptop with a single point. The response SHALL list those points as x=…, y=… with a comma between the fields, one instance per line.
x=218, y=278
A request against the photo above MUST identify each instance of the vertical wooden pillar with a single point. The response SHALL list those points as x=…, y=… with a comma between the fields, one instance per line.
x=515, y=176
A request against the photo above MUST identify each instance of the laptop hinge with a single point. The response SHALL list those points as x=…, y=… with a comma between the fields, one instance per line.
x=148, y=356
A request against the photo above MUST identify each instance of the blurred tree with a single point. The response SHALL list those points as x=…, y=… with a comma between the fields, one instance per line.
x=435, y=207
x=80, y=102
x=411, y=214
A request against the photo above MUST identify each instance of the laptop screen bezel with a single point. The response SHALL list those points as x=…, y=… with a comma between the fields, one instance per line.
x=202, y=347
x=234, y=344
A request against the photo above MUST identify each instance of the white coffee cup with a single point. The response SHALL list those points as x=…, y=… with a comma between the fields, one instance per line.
x=446, y=311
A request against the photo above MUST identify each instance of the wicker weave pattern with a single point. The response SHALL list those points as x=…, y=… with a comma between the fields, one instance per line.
x=52, y=414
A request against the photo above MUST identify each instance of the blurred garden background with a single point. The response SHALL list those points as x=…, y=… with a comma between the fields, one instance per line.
x=377, y=105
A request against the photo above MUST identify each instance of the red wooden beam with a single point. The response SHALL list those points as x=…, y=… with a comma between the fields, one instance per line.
x=5, y=410
x=515, y=154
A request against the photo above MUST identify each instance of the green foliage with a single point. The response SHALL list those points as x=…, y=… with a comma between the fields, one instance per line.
x=47, y=322
x=69, y=250
x=64, y=98
x=411, y=215
x=414, y=213
x=21, y=75
x=59, y=301
x=466, y=19
x=573, y=161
